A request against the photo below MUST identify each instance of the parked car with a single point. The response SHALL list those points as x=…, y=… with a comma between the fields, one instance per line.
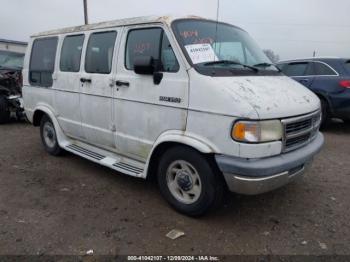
x=11, y=64
x=328, y=78
x=192, y=101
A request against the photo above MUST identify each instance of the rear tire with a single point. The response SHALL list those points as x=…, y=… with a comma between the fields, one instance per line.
x=190, y=181
x=4, y=110
x=49, y=137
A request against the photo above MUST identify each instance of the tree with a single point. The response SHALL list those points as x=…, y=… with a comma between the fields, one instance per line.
x=271, y=54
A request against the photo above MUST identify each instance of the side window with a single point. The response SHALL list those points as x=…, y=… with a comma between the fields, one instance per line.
x=168, y=58
x=71, y=53
x=142, y=42
x=282, y=66
x=296, y=69
x=42, y=61
x=99, y=53
x=150, y=42
x=323, y=70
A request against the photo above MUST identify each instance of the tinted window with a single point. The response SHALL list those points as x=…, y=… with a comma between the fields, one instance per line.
x=99, y=53
x=282, y=67
x=151, y=42
x=322, y=69
x=142, y=42
x=295, y=69
x=42, y=62
x=71, y=53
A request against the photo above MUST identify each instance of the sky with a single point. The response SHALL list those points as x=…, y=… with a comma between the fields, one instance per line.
x=292, y=29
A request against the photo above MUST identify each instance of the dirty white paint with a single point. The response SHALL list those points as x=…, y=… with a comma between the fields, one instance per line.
x=126, y=124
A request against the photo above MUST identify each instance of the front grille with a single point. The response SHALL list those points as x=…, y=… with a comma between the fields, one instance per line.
x=299, y=131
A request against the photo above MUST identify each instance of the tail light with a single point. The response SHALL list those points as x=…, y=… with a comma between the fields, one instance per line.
x=345, y=83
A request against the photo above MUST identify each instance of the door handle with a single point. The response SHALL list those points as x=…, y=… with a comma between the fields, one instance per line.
x=122, y=83
x=304, y=80
x=85, y=80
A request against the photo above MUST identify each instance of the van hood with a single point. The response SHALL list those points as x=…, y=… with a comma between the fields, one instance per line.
x=262, y=97
x=272, y=96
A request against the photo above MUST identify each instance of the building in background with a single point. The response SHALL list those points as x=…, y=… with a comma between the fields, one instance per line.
x=13, y=46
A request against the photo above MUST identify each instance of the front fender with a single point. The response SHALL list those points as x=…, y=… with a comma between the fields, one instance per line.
x=183, y=138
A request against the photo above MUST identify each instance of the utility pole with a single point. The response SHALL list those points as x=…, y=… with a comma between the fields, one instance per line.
x=86, y=12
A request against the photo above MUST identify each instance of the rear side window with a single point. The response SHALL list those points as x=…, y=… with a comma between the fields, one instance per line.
x=296, y=69
x=323, y=70
x=71, y=53
x=99, y=53
x=151, y=42
x=42, y=61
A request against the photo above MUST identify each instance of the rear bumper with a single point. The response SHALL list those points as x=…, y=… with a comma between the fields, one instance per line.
x=256, y=176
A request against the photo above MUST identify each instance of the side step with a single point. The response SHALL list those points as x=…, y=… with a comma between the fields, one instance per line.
x=108, y=159
x=86, y=152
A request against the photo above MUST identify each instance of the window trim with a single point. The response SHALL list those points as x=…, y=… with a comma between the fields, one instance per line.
x=87, y=48
x=314, y=75
x=81, y=53
x=162, y=33
x=31, y=57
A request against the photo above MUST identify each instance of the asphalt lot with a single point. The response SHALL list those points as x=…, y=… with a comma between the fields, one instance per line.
x=68, y=205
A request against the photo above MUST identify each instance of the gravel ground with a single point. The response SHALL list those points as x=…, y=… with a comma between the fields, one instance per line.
x=68, y=205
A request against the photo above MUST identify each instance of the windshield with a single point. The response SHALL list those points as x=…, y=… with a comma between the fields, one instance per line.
x=215, y=47
x=11, y=60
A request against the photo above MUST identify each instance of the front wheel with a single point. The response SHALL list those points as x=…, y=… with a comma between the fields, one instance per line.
x=189, y=181
x=49, y=137
x=326, y=119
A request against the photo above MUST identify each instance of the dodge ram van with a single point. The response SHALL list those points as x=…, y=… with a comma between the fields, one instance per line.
x=190, y=101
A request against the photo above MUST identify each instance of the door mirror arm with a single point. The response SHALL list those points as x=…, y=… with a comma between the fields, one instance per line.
x=147, y=65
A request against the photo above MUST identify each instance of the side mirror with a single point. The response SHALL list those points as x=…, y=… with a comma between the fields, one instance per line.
x=144, y=65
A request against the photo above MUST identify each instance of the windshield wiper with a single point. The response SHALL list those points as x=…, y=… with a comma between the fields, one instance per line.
x=263, y=65
x=266, y=65
x=229, y=62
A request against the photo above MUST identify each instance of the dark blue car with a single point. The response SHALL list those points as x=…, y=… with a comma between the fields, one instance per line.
x=328, y=78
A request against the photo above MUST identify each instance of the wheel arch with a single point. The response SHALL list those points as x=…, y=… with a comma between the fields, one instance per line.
x=324, y=97
x=170, y=139
x=42, y=110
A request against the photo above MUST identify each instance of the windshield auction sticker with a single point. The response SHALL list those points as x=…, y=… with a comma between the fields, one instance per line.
x=201, y=53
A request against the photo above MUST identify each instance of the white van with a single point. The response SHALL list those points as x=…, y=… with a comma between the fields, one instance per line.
x=191, y=101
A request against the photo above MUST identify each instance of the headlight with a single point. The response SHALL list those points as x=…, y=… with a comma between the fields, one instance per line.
x=257, y=131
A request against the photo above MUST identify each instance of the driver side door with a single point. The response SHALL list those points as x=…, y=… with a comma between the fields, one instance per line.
x=144, y=109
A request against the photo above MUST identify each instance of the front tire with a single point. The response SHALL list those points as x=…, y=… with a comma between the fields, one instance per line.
x=190, y=181
x=49, y=137
x=4, y=110
x=326, y=119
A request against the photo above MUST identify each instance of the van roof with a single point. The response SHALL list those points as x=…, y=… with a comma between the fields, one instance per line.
x=115, y=23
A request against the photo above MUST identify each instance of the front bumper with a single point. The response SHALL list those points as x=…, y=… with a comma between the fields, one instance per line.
x=256, y=176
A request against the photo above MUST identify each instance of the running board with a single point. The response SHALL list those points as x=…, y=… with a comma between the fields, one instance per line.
x=108, y=159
